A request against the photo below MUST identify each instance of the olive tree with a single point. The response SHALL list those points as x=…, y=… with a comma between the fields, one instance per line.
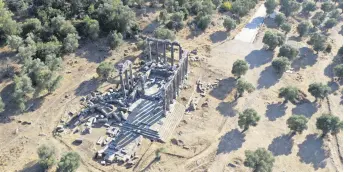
x=47, y=156
x=327, y=6
x=303, y=28
x=239, y=68
x=288, y=51
x=115, y=39
x=247, y=118
x=69, y=162
x=286, y=27
x=289, y=93
x=328, y=123
x=243, y=86
x=338, y=70
x=318, y=41
x=319, y=90
x=281, y=64
x=273, y=39
x=289, y=7
x=163, y=33
x=22, y=87
x=70, y=43
x=308, y=6
x=14, y=42
x=297, y=123
x=203, y=21
x=229, y=24
x=259, y=160
x=280, y=19
x=104, y=70
x=270, y=6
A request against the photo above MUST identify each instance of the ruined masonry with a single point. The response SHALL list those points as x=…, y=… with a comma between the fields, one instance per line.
x=143, y=107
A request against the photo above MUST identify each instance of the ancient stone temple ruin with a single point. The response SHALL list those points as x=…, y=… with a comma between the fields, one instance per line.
x=144, y=106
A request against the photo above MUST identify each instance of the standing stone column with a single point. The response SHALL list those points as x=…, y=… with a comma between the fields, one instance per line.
x=157, y=51
x=131, y=75
x=127, y=79
x=164, y=55
x=150, y=51
x=122, y=83
x=180, y=52
x=172, y=55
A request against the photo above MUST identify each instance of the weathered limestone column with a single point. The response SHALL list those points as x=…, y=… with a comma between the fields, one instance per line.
x=171, y=93
x=131, y=75
x=157, y=51
x=142, y=84
x=122, y=83
x=127, y=79
x=150, y=51
x=164, y=101
x=180, y=52
x=172, y=55
x=164, y=55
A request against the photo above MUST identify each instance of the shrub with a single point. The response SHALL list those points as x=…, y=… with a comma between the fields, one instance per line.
x=297, y=123
x=14, y=42
x=248, y=118
x=273, y=39
x=319, y=90
x=288, y=51
x=289, y=93
x=203, y=21
x=243, y=86
x=104, y=70
x=280, y=19
x=260, y=160
x=226, y=6
x=162, y=33
x=115, y=39
x=239, y=68
x=69, y=162
x=303, y=28
x=281, y=64
x=47, y=156
x=229, y=24
x=328, y=123
x=286, y=27
x=71, y=43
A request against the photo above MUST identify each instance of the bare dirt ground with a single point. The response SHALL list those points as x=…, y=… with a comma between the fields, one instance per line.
x=207, y=139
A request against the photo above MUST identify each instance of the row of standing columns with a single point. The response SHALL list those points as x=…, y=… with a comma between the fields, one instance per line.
x=171, y=89
x=165, y=44
x=127, y=82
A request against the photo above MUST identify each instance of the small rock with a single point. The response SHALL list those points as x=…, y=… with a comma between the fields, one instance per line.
x=42, y=134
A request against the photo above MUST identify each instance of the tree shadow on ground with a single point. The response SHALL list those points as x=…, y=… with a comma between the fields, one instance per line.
x=257, y=58
x=32, y=166
x=328, y=71
x=231, y=141
x=281, y=145
x=306, y=109
x=218, y=36
x=255, y=23
x=333, y=85
x=270, y=23
x=223, y=89
x=311, y=152
x=268, y=77
x=93, y=51
x=151, y=27
x=226, y=108
x=307, y=58
x=275, y=110
x=87, y=86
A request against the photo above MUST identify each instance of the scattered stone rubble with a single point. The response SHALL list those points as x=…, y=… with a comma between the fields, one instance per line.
x=113, y=108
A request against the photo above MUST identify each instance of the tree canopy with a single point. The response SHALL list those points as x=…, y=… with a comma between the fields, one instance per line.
x=289, y=93
x=328, y=123
x=69, y=162
x=281, y=64
x=47, y=156
x=243, y=86
x=273, y=39
x=297, y=123
x=260, y=160
x=319, y=90
x=288, y=51
x=247, y=118
x=239, y=68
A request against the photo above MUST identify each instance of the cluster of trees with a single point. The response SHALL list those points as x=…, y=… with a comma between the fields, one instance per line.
x=318, y=90
x=338, y=61
x=47, y=30
x=47, y=159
